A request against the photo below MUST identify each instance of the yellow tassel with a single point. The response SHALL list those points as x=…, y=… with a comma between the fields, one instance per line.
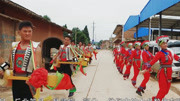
x=52, y=67
x=37, y=95
x=48, y=98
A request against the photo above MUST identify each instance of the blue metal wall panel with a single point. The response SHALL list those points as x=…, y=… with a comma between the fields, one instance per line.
x=154, y=7
x=142, y=32
x=131, y=22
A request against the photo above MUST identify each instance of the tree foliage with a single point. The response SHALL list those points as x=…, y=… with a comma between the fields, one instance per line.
x=81, y=35
x=47, y=18
x=65, y=33
x=86, y=32
x=100, y=42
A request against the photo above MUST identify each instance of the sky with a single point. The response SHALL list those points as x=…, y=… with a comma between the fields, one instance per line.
x=106, y=14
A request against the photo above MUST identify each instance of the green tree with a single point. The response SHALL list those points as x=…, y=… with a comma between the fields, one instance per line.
x=80, y=36
x=65, y=33
x=100, y=42
x=47, y=18
x=86, y=32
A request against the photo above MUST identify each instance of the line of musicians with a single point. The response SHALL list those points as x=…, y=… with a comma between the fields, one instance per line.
x=22, y=60
x=143, y=60
x=69, y=52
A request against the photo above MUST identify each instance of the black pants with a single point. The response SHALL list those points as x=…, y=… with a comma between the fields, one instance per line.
x=21, y=90
x=90, y=59
x=65, y=68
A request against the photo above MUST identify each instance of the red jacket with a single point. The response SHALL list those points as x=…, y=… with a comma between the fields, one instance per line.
x=136, y=54
x=147, y=56
x=115, y=52
x=164, y=60
x=122, y=52
x=128, y=53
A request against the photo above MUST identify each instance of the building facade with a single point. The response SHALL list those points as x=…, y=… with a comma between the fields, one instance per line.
x=49, y=34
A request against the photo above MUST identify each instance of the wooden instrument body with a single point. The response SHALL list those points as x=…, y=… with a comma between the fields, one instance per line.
x=8, y=77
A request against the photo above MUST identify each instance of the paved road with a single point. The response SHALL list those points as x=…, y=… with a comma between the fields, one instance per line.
x=103, y=82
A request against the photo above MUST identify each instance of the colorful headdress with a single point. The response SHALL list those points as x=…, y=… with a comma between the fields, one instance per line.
x=122, y=43
x=137, y=43
x=162, y=39
x=145, y=43
x=129, y=44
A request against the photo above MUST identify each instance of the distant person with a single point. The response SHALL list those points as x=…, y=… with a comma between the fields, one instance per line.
x=128, y=63
x=122, y=57
x=146, y=57
x=115, y=55
x=80, y=48
x=136, y=61
x=89, y=50
x=66, y=54
x=73, y=44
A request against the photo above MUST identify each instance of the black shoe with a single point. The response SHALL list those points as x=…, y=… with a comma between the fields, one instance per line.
x=71, y=94
x=139, y=93
x=120, y=71
x=143, y=91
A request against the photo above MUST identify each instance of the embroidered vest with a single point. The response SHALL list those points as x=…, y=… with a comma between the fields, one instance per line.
x=148, y=53
x=65, y=53
x=166, y=55
x=79, y=50
x=89, y=49
x=27, y=61
x=130, y=52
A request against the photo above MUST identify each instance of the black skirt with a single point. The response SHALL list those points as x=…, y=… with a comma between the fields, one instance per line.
x=65, y=68
x=21, y=90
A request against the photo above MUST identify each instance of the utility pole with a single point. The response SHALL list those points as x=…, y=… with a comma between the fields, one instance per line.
x=93, y=34
x=160, y=23
x=150, y=29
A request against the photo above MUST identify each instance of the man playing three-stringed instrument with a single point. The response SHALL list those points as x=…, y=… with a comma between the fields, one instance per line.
x=21, y=61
